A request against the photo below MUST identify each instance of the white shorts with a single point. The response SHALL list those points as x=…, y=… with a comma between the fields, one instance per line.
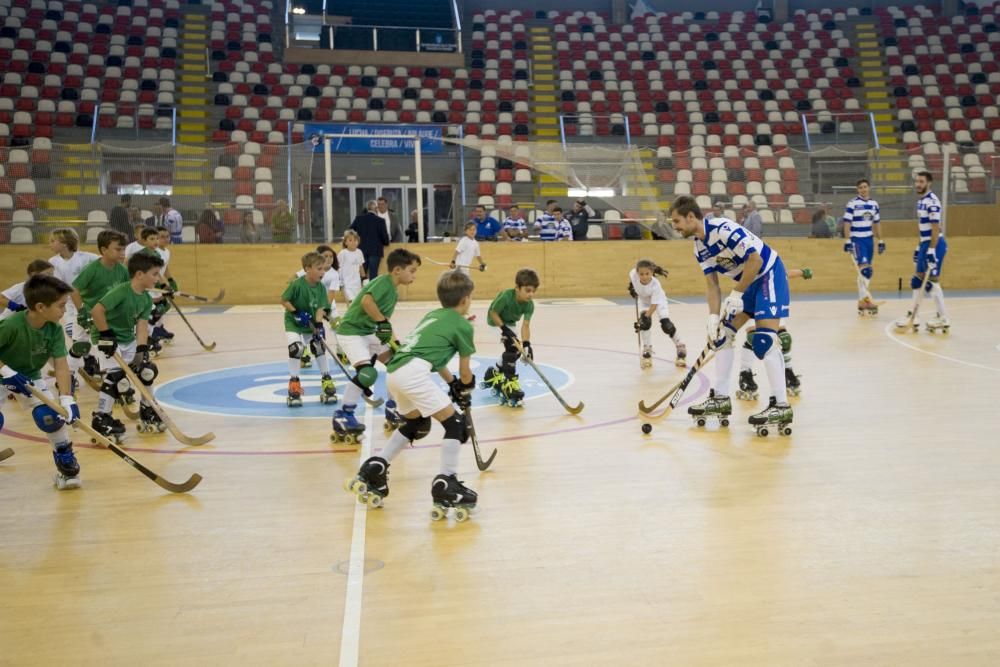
x=662, y=309
x=360, y=348
x=126, y=350
x=413, y=387
x=351, y=291
x=30, y=402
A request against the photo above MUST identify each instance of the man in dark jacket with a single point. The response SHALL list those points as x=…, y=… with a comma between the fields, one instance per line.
x=579, y=220
x=374, y=238
x=119, y=219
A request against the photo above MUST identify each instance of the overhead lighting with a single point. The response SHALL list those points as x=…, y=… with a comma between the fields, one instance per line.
x=594, y=192
x=299, y=10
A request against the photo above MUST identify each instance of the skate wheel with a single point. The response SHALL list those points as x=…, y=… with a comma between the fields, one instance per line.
x=787, y=430
x=700, y=422
x=161, y=428
x=724, y=423
x=374, y=501
x=348, y=485
x=351, y=439
x=762, y=432
x=334, y=439
x=438, y=513
x=461, y=514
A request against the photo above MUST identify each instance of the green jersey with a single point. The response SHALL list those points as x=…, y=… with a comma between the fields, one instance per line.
x=437, y=338
x=304, y=296
x=510, y=309
x=356, y=321
x=27, y=349
x=96, y=279
x=123, y=308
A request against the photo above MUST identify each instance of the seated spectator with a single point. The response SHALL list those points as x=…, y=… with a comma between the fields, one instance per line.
x=282, y=223
x=209, y=229
x=579, y=219
x=717, y=211
x=752, y=220
x=514, y=227
x=820, y=229
x=248, y=230
x=487, y=227
x=555, y=228
x=412, y=236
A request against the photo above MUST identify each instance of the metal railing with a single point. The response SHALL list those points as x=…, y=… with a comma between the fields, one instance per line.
x=824, y=127
x=394, y=38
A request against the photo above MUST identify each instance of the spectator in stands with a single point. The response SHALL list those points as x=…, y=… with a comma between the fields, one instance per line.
x=135, y=223
x=820, y=230
x=752, y=220
x=412, y=236
x=382, y=211
x=209, y=228
x=172, y=220
x=579, y=220
x=555, y=228
x=155, y=220
x=282, y=223
x=118, y=218
x=248, y=230
x=514, y=227
x=374, y=237
x=487, y=227
x=717, y=210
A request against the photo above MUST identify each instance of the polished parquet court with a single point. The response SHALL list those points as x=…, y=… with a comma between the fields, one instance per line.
x=870, y=536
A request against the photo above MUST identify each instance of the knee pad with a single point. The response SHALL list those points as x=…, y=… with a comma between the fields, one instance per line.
x=763, y=341
x=295, y=350
x=80, y=348
x=867, y=272
x=916, y=282
x=785, y=339
x=455, y=428
x=147, y=372
x=416, y=428
x=46, y=419
x=115, y=383
x=316, y=345
x=365, y=377
x=668, y=327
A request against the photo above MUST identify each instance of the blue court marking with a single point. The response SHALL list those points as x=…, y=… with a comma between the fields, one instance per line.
x=259, y=390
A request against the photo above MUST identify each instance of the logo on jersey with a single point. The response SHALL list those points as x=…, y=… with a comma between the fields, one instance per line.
x=868, y=216
x=260, y=390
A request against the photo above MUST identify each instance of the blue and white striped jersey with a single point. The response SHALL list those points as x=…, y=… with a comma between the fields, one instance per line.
x=861, y=214
x=928, y=213
x=727, y=246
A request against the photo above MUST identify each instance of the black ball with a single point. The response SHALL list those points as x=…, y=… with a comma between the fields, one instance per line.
x=647, y=428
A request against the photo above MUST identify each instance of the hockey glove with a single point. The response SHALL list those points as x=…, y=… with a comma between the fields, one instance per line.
x=72, y=409
x=848, y=246
x=461, y=393
x=482, y=267
x=644, y=323
x=107, y=343
x=83, y=319
x=807, y=273
x=319, y=331
x=14, y=306
x=140, y=358
x=732, y=305
x=451, y=264
x=712, y=328
x=172, y=283
x=529, y=352
x=881, y=247
x=931, y=259
x=303, y=319
x=631, y=290
x=383, y=331
x=15, y=382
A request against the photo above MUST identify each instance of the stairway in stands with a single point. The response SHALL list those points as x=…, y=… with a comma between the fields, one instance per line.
x=192, y=168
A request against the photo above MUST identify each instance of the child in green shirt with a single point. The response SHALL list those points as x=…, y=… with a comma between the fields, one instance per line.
x=93, y=283
x=430, y=346
x=507, y=308
x=306, y=306
x=121, y=317
x=28, y=340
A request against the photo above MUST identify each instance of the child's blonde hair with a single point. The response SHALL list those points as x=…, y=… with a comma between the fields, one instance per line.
x=351, y=234
x=311, y=259
x=68, y=237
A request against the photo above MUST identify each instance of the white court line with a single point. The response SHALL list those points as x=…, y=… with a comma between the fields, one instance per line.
x=350, y=634
x=897, y=339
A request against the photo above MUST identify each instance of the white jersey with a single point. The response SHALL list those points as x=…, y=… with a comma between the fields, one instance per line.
x=649, y=294
x=928, y=213
x=132, y=248
x=164, y=254
x=67, y=271
x=727, y=246
x=13, y=293
x=516, y=225
x=350, y=262
x=467, y=250
x=860, y=214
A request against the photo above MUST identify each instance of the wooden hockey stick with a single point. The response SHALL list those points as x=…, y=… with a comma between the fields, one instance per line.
x=148, y=395
x=638, y=334
x=868, y=293
x=675, y=392
x=207, y=348
x=203, y=299
x=366, y=392
x=916, y=306
x=192, y=481
x=481, y=267
x=573, y=410
x=7, y=453
x=480, y=463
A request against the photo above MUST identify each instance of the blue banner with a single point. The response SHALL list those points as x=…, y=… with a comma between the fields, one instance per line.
x=374, y=139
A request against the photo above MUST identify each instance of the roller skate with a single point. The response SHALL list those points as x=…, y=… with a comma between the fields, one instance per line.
x=447, y=491
x=792, y=382
x=647, y=357
x=155, y=348
x=393, y=420
x=867, y=307
x=748, y=386
x=328, y=390
x=108, y=426
x=903, y=323
x=149, y=420
x=680, y=360
x=492, y=380
x=938, y=323
x=161, y=336
x=346, y=427
x=294, y=399
x=67, y=469
x=510, y=392
x=719, y=407
x=371, y=484
x=774, y=416
x=306, y=360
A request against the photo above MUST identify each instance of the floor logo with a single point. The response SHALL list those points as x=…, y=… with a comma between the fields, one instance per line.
x=259, y=390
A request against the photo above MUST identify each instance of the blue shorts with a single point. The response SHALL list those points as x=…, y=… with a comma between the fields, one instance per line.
x=863, y=248
x=920, y=258
x=768, y=297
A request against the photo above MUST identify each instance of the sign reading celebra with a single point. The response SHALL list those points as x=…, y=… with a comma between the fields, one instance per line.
x=374, y=138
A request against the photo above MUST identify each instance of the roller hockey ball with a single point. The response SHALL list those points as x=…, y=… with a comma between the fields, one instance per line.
x=647, y=428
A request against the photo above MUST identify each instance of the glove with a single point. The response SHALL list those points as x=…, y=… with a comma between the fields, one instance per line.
x=931, y=258
x=461, y=393
x=881, y=247
x=732, y=305
x=451, y=264
x=141, y=357
x=482, y=267
x=383, y=331
x=319, y=331
x=807, y=273
x=848, y=246
x=631, y=290
x=83, y=319
x=173, y=284
x=303, y=319
x=643, y=324
x=71, y=408
x=15, y=382
x=529, y=352
x=507, y=333
x=14, y=306
x=107, y=343
x=916, y=256
x=713, y=327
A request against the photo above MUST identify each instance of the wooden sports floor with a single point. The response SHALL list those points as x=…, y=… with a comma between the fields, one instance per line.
x=870, y=536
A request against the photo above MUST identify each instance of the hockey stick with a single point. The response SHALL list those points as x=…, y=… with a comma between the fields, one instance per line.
x=573, y=410
x=677, y=390
x=863, y=281
x=207, y=348
x=481, y=267
x=7, y=453
x=148, y=395
x=203, y=299
x=482, y=465
x=192, y=481
x=638, y=334
x=919, y=300
x=366, y=392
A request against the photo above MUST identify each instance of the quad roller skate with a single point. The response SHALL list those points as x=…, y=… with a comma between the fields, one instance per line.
x=108, y=426
x=903, y=324
x=718, y=407
x=149, y=421
x=938, y=323
x=67, y=469
x=507, y=388
x=647, y=357
x=155, y=348
x=680, y=360
x=371, y=484
x=393, y=420
x=161, y=336
x=448, y=492
x=328, y=390
x=778, y=417
x=867, y=307
x=792, y=382
x=126, y=401
x=294, y=398
x=346, y=427
x=306, y=360
x=748, y=387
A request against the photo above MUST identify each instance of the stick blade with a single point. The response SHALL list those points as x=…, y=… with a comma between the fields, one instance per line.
x=575, y=410
x=217, y=299
x=484, y=465
x=6, y=454
x=193, y=481
x=196, y=441
x=208, y=348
